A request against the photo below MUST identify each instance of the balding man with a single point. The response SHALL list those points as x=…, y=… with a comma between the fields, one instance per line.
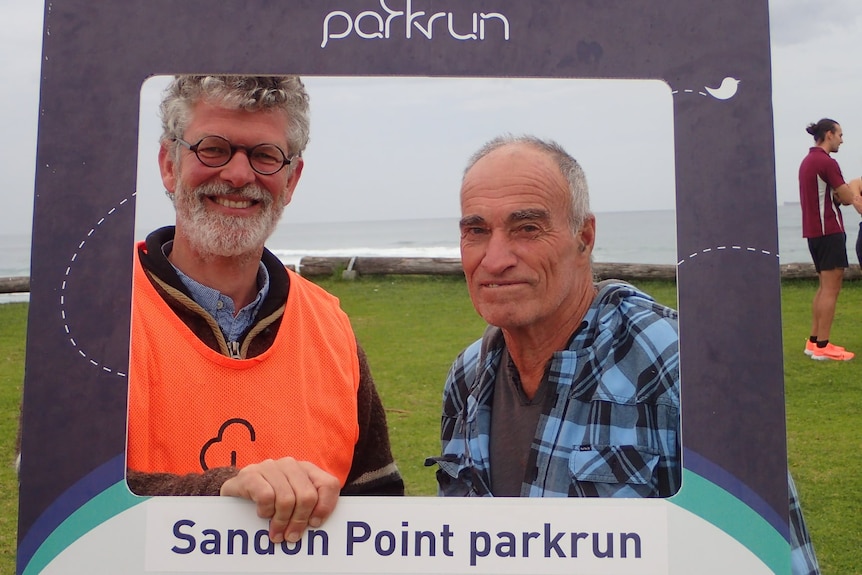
x=573, y=390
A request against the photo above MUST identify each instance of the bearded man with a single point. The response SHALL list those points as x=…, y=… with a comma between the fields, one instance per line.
x=245, y=379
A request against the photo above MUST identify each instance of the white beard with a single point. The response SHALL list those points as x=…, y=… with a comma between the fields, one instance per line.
x=213, y=234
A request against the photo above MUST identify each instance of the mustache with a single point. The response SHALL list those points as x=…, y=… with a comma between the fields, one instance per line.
x=248, y=192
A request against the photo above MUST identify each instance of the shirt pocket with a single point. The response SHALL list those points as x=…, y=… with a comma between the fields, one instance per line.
x=613, y=470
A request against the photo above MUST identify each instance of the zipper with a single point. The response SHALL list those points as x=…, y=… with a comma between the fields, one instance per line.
x=233, y=348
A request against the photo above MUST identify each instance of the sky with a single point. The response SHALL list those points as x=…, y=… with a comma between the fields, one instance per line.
x=384, y=148
x=358, y=166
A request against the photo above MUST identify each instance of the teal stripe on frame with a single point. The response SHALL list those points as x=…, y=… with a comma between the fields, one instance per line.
x=99, y=509
x=699, y=496
x=712, y=503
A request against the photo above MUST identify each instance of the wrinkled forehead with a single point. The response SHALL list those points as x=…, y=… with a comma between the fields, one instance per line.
x=515, y=170
x=251, y=126
x=501, y=192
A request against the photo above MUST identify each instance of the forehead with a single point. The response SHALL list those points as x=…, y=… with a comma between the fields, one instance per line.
x=241, y=126
x=515, y=176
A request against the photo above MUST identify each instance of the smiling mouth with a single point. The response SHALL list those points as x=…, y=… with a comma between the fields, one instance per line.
x=501, y=285
x=233, y=204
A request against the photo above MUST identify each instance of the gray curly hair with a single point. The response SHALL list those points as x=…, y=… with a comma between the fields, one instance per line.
x=250, y=93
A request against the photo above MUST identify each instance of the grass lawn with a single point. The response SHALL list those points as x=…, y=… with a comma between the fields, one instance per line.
x=412, y=328
x=824, y=412
x=13, y=322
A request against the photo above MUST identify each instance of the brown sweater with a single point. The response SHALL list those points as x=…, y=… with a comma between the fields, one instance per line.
x=373, y=471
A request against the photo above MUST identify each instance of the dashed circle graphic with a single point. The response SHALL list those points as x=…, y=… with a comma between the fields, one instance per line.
x=707, y=251
x=95, y=362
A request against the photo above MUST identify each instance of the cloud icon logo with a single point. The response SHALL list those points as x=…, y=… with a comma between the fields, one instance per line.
x=233, y=437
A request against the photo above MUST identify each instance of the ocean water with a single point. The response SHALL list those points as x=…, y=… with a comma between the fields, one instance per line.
x=646, y=237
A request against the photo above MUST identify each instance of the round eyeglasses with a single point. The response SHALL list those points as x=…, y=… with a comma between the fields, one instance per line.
x=215, y=152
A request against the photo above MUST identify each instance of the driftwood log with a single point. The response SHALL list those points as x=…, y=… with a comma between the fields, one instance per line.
x=370, y=266
x=316, y=267
x=806, y=271
x=18, y=284
x=634, y=272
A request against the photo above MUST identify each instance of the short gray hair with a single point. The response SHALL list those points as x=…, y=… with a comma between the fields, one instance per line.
x=249, y=93
x=569, y=168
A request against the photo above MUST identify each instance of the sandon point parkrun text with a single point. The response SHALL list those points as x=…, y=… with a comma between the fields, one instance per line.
x=361, y=539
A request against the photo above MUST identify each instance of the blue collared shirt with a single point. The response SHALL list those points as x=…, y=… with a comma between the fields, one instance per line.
x=220, y=306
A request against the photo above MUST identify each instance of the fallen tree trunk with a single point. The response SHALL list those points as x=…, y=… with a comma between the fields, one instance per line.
x=19, y=284
x=806, y=271
x=370, y=266
x=633, y=272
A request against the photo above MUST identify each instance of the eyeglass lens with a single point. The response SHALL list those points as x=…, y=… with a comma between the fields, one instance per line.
x=215, y=151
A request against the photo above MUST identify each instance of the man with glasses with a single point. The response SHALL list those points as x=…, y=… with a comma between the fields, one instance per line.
x=245, y=379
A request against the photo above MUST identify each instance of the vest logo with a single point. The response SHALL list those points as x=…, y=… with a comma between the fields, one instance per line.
x=371, y=25
x=234, y=436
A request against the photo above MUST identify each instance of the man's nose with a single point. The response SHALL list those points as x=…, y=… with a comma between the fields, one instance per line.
x=499, y=255
x=238, y=172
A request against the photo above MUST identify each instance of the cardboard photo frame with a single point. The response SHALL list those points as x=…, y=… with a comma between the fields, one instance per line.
x=76, y=514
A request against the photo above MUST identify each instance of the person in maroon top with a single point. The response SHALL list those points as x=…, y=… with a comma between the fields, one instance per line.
x=822, y=190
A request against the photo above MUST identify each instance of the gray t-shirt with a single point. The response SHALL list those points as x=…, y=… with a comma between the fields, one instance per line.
x=514, y=419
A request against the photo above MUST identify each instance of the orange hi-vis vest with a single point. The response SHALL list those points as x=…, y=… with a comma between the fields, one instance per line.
x=192, y=408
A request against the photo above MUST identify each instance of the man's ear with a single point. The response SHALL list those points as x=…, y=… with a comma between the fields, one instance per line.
x=168, y=169
x=293, y=179
x=587, y=235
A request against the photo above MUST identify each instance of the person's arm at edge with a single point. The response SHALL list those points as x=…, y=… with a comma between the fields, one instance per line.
x=856, y=193
x=153, y=484
x=373, y=471
x=844, y=194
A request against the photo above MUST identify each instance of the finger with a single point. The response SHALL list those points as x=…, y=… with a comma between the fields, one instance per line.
x=251, y=484
x=328, y=488
x=293, y=495
x=283, y=481
x=293, y=515
x=265, y=484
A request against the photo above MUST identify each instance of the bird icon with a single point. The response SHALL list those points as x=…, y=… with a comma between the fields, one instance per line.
x=726, y=91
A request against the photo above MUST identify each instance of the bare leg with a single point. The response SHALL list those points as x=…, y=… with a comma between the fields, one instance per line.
x=823, y=306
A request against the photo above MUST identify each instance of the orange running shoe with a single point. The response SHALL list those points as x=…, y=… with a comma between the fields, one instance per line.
x=810, y=346
x=832, y=352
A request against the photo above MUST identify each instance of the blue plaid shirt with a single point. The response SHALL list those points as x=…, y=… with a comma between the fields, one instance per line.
x=611, y=429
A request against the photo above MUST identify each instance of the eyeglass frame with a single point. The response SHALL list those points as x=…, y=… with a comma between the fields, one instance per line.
x=233, y=149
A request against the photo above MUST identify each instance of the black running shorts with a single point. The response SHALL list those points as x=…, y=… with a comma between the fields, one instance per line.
x=829, y=252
